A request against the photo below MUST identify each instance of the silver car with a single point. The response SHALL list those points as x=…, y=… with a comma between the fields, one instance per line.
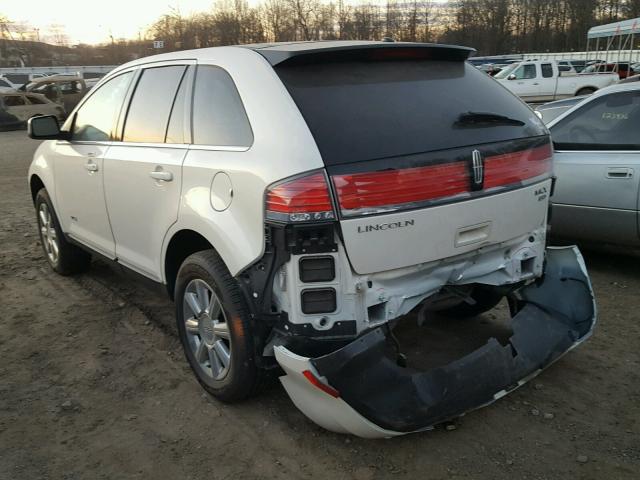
x=552, y=110
x=597, y=164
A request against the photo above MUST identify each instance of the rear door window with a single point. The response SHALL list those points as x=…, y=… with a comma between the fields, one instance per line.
x=151, y=104
x=361, y=111
x=607, y=123
x=547, y=70
x=176, y=128
x=219, y=117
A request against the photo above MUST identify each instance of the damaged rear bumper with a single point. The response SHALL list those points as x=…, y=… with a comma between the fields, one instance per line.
x=359, y=390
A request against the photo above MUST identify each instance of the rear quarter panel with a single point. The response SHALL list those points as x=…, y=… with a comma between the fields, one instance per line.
x=282, y=147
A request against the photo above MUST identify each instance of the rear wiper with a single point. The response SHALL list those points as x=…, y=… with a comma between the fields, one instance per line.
x=485, y=118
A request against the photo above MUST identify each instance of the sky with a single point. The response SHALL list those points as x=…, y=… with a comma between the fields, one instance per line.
x=95, y=21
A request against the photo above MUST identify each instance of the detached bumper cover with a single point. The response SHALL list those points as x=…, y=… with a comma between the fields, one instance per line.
x=377, y=398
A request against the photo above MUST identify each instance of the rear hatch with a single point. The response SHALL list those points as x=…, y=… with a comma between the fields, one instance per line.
x=427, y=159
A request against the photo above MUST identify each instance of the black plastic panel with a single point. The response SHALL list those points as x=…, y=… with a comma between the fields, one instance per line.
x=318, y=300
x=317, y=269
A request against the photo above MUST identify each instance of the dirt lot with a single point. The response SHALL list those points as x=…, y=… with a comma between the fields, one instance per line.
x=93, y=384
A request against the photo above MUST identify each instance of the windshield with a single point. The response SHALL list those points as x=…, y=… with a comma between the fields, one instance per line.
x=505, y=72
x=360, y=111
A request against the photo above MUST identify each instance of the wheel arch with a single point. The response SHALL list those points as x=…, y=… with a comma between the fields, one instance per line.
x=35, y=185
x=586, y=87
x=41, y=173
x=182, y=243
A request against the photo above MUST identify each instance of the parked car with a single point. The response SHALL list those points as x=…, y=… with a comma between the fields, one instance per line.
x=597, y=163
x=540, y=81
x=623, y=69
x=23, y=106
x=66, y=90
x=297, y=199
x=552, y=110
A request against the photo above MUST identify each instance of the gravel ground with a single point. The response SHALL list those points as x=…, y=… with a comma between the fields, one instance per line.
x=93, y=384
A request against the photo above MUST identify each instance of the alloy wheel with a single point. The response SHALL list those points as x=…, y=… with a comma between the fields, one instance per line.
x=48, y=233
x=207, y=329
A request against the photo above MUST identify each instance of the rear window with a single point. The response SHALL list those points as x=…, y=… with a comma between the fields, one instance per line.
x=151, y=104
x=360, y=111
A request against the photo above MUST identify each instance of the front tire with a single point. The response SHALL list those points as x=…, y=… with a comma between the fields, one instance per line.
x=63, y=257
x=215, y=328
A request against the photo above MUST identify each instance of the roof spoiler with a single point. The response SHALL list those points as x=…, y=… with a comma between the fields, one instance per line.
x=368, y=52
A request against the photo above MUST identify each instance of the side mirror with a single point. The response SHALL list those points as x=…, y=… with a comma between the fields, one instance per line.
x=511, y=77
x=45, y=127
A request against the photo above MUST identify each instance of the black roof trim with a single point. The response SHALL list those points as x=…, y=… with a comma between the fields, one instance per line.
x=294, y=53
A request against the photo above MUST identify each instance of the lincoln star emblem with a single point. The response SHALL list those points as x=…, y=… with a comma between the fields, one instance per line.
x=477, y=170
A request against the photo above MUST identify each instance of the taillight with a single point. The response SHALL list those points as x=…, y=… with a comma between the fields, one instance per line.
x=401, y=189
x=374, y=192
x=302, y=199
x=515, y=167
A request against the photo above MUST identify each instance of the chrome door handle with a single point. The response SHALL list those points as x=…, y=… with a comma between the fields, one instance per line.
x=161, y=175
x=90, y=166
x=620, y=172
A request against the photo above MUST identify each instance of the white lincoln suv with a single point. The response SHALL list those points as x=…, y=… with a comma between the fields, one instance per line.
x=297, y=199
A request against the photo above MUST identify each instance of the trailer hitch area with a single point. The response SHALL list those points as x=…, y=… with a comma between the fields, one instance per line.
x=359, y=389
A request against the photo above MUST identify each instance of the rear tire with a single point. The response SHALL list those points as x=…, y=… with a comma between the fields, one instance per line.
x=585, y=91
x=63, y=257
x=215, y=328
x=485, y=297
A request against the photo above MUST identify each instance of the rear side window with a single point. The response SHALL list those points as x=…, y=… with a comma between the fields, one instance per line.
x=607, y=123
x=219, y=117
x=547, y=70
x=14, y=101
x=360, y=111
x=151, y=104
x=95, y=118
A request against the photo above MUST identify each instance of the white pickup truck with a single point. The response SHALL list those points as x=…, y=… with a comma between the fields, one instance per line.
x=541, y=81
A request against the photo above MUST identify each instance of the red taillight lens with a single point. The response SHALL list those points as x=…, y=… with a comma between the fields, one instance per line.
x=510, y=168
x=302, y=199
x=380, y=191
x=392, y=190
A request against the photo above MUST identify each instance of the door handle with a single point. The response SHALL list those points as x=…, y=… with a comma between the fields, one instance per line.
x=536, y=83
x=91, y=166
x=161, y=175
x=620, y=172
